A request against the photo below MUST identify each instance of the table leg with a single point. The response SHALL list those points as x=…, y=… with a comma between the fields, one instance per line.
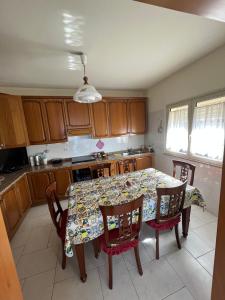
x=81, y=261
x=185, y=220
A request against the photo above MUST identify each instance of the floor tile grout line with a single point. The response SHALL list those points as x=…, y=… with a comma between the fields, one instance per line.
x=206, y=253
x=54, y=279
x=129, y=272
x=180, y=276
x=98, y=271
x=174, y=292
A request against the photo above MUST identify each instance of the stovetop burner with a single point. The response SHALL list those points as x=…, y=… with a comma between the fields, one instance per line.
x=80, y=159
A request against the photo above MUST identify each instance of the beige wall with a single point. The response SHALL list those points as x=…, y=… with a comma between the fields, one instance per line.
x=67, y=92
x=202, y=77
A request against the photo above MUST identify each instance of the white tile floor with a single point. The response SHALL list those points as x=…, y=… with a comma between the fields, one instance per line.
x=179, y=274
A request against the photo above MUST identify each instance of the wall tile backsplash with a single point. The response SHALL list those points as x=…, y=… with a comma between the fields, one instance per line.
x=78, y=146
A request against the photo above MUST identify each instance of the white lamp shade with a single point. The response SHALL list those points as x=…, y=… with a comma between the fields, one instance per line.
x=87, y=94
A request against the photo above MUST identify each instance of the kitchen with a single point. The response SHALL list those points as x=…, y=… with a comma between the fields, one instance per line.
x=119, y=144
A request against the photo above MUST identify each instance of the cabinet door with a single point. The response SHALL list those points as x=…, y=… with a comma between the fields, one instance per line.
x=12, y=211
x=33, y=110
x=12, y=124
x=38, y=184
x=55, y=120
x=63, y=180
x=144, y=162
x=137, y=116
x=10, y=285
x=24, y=198
x=77, y=114
x=118, y=118
x=100, y=119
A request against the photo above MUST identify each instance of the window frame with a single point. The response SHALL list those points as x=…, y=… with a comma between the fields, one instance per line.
x=192, y=103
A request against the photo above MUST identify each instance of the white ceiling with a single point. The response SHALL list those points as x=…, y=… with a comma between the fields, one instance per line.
x=130, y=45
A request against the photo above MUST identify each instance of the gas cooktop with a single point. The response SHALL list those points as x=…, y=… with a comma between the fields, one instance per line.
x=79, y=159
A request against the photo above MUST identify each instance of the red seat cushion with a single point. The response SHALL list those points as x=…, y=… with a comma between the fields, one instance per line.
x=165, y=225
x=118, y=249
x=63, y=222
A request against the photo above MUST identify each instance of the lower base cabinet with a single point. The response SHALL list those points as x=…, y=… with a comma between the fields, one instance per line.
x=144, y=162
x=39, y=182
x=14, y=204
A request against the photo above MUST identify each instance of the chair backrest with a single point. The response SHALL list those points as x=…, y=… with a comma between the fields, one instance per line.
x=129, y=216
x=127, y=165
x=184, y=171
x=172, y=199
x=54, y=205
x=100, y=170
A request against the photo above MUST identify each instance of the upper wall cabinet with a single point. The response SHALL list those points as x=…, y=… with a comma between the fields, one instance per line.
x=45, y=120
x=137, y=116
x=100, y=119
x=13, y=131
x=77, y=114
x=34, y=115
x=78, y=117
x=55, y=119
x=118, y=124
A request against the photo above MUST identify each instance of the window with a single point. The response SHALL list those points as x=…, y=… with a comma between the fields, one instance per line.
x=204, y=121
x=177, y=130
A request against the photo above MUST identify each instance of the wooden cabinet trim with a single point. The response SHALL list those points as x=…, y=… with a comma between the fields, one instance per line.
x=43, y=121
x=76, y=126
x=95, y=117
x=47, y=117
x=131, y=126
x=111, y=115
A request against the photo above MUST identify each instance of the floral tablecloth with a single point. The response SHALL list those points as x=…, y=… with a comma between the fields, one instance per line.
x=84, y=217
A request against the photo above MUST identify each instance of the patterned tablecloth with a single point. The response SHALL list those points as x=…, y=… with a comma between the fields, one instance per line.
x=84, y=217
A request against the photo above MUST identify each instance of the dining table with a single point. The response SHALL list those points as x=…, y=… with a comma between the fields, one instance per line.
x=85, y=222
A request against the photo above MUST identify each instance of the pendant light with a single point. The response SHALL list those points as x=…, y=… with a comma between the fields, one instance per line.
x=86, y=93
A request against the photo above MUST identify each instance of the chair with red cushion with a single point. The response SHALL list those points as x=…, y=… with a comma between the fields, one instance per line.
x=58, y=215
x=184, y=171
x=174, y=198
x=126, y=236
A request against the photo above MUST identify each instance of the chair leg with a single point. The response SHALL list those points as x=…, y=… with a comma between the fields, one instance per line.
x=96, y=246
x=157, y=244
x=137, y=256
x=110, y=272
x=177, y=236
x=63, y=257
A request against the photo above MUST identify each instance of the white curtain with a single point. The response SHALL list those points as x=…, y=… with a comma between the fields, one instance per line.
x=177, y=130
x=207, y=138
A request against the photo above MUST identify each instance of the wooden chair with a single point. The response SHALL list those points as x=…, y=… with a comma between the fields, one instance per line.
x=58, y=215
x=127, y=165
x=126, y=236
x=100, y=170
x=175, y=198
x=184, y=171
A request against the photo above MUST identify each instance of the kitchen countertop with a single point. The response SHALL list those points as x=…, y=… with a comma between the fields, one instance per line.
x=11, y=178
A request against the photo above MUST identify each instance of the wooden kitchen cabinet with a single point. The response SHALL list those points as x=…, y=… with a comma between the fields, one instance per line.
x=10, y=285
x=55, y=119
x=34, y=116
x=118, y=124
x=11, y=209
x=63, y=180
x=137, y=116
x=13, y=131
x=77, y=114
x=38, y=182
x=144, y=162
x=100, y=119
x=23, y=194
x=45, y=120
